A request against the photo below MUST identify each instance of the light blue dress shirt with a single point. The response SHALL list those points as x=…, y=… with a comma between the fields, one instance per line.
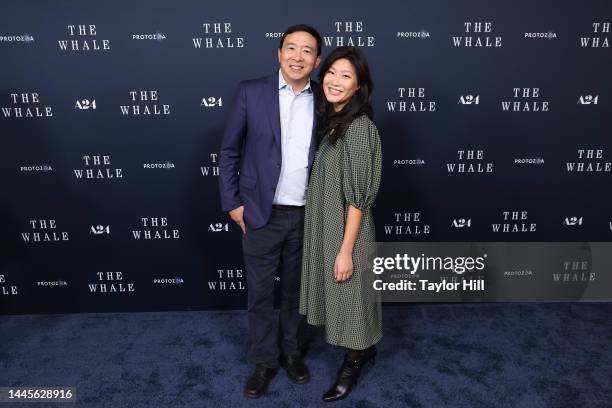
x=296, y=117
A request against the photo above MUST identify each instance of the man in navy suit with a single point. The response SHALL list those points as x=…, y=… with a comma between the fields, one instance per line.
x=264, y=162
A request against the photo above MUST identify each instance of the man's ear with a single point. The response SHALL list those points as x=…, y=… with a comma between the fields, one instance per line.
x=318, y=61
x=278, y=54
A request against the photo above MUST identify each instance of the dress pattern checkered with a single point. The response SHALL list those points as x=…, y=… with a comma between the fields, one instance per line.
x=347, y=173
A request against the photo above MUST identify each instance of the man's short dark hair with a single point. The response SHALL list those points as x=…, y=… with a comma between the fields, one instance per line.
x=306, y=28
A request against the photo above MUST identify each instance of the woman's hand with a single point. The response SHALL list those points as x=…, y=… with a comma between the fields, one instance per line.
x=343, y=267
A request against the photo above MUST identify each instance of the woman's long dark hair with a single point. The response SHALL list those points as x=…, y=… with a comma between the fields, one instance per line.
x=334, y=123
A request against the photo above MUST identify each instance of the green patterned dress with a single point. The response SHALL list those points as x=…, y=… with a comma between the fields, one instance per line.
x=347, y=173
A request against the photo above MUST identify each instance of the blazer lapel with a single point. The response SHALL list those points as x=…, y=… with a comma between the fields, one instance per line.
x=273, y=108
x=314, y=141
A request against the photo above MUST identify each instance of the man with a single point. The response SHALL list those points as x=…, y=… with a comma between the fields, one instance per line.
x=264, y=162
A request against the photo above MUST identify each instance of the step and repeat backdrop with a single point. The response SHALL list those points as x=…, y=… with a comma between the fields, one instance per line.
x=494, y=118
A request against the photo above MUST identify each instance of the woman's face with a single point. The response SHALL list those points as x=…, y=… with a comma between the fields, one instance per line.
x=340, y=83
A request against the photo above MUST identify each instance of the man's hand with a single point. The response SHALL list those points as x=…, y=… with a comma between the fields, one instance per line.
x=237, y=215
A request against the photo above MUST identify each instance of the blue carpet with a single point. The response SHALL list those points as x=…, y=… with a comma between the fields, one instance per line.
x=470, y=355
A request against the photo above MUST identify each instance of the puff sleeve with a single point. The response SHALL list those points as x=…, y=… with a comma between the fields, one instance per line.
x=362, y=163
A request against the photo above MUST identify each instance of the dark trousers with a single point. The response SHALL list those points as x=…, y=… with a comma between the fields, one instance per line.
x=276, y=247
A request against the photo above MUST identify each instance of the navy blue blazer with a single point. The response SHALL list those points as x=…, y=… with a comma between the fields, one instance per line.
x=250, y=156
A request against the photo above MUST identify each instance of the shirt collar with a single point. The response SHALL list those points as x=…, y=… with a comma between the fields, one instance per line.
x=282, y=84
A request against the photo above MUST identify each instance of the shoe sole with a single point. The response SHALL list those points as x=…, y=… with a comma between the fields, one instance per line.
x=252, y=396
x=298, y=381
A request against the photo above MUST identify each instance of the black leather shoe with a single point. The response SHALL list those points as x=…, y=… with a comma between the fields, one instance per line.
x=258, y=382
x=349, y=373
x=297, y=371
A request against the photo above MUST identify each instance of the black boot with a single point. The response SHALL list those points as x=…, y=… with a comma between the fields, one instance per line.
x=349, y=373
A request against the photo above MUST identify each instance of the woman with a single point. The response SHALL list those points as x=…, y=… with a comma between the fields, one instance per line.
x=339, y=230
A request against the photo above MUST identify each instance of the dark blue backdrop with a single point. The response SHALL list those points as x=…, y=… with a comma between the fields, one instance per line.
x=167, y=161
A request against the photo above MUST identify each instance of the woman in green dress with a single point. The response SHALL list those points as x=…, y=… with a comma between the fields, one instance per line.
x=339, y=229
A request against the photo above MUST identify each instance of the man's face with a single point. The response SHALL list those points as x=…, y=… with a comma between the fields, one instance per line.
x=298, y=57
